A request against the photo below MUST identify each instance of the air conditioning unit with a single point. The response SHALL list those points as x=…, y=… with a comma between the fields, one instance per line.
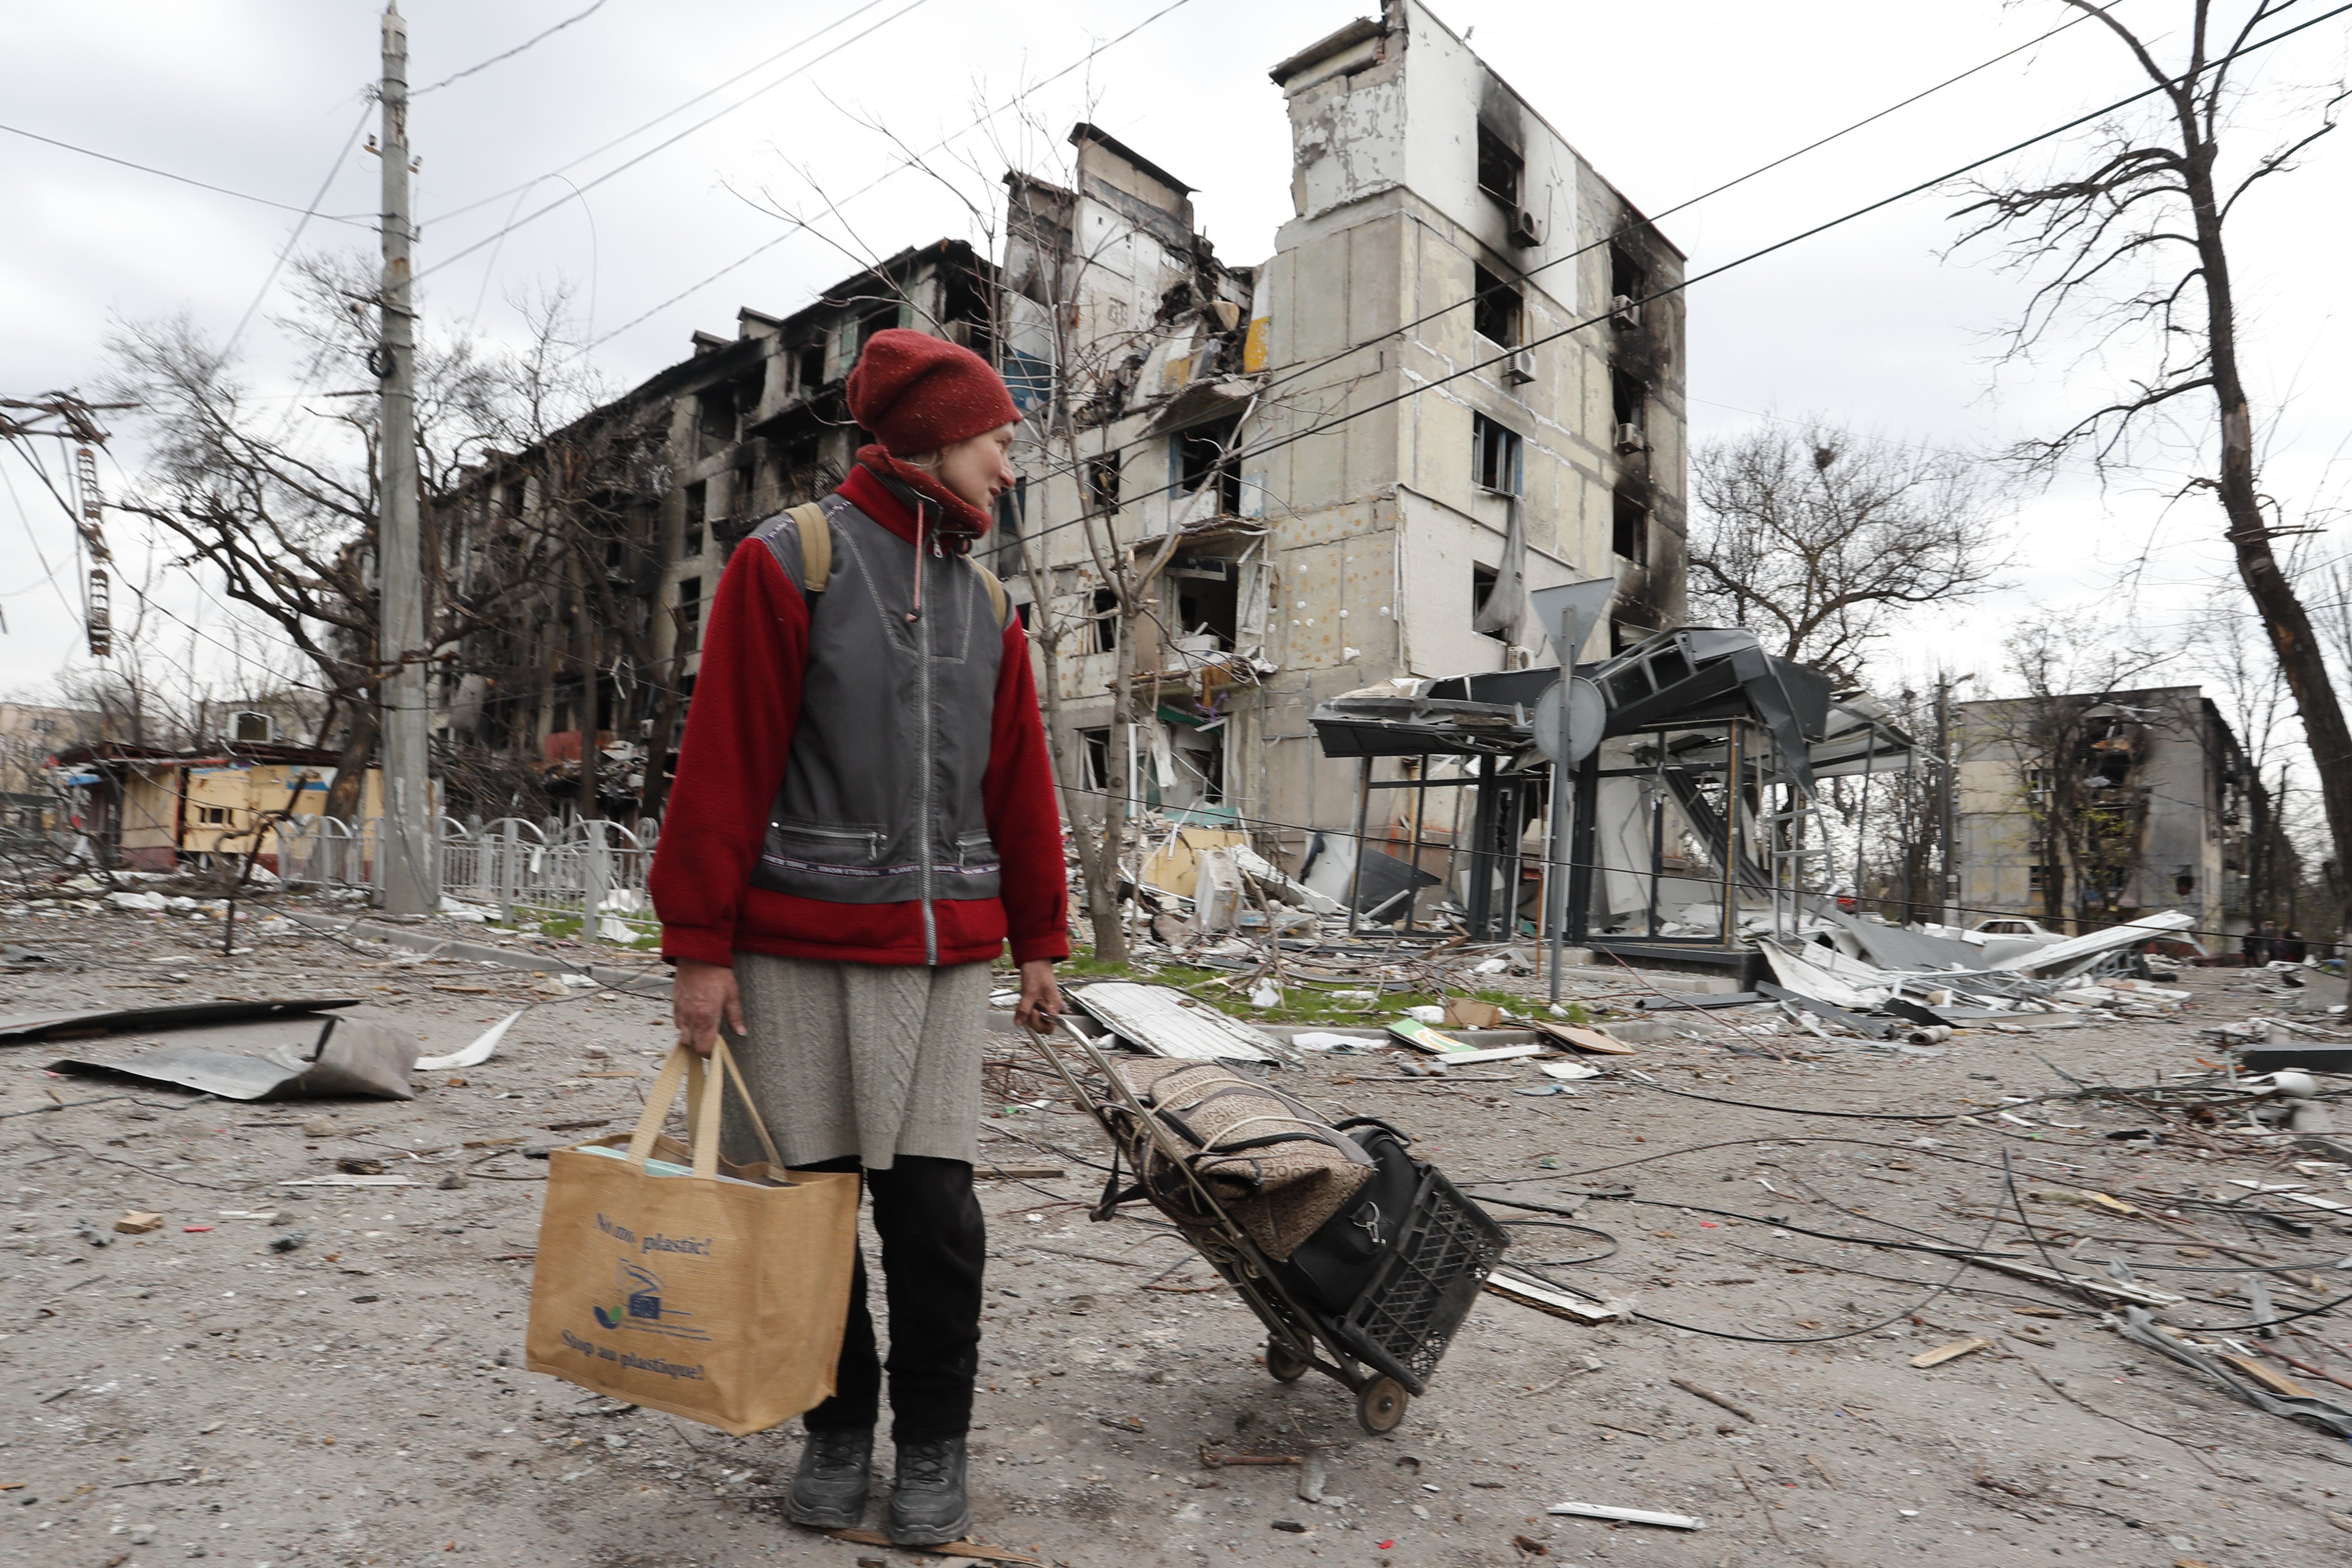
x=1520, y=368
x=1630, y=439
x=1527, y=229
x=1625, y=311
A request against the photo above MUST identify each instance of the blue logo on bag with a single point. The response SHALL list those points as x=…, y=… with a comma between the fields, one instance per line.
x=642, y=1306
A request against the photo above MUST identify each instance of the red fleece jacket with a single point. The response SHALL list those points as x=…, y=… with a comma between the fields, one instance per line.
x=738, y=736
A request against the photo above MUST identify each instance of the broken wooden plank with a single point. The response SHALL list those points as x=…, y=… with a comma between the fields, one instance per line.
x=1559, y=1303
x=2139, y=1295
x=1627, y=1515
x=1017, y=1173
x=1712, y=1398
x=1952, y=1352
x=2276, y=1381
x=1588, y=1039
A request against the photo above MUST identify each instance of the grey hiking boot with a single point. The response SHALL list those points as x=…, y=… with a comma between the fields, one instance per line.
x=830, y=1486
x=927, y=1505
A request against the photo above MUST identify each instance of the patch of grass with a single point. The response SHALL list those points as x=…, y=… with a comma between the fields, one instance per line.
x=1300, y=1004
x=548, y=923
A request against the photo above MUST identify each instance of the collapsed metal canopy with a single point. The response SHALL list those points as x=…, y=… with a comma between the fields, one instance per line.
x=1693, y=677
x=1697, y=691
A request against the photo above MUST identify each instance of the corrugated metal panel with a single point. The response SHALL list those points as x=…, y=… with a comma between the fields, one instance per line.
x=1163, y=1021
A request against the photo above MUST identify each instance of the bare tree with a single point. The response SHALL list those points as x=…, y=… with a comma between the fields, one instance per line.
x=282, y=502
x=1818, y=537
x=2132, y=238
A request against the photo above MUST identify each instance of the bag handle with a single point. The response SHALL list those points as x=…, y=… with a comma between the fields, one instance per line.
x=702, y=1104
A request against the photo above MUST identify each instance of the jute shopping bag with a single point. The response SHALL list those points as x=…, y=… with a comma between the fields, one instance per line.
x=719, y=1292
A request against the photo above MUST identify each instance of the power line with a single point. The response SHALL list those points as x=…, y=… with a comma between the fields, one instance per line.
x=292, y=240
x=519, y=48
x=182, y=179
x=680, y=136
x=1713, y=192
x=1478, y=365
x=985, y=116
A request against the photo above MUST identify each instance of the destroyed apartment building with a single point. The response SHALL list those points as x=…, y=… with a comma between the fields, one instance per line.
x=621, y=523
x=1459, y=376
x=2098, y=807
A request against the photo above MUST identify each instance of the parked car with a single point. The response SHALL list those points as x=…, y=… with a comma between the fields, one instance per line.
x=2015, y=926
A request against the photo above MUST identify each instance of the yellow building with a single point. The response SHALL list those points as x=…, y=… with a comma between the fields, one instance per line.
x=149, y=808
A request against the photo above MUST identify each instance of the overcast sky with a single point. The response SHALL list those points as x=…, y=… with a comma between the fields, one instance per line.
x=1870, y=323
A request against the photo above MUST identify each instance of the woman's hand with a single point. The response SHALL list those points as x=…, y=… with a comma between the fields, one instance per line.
x=702, y=996
x=1041, y=997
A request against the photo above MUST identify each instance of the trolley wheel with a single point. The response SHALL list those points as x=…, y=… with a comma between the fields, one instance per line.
x=1284, y=1364
x=1379, y=1404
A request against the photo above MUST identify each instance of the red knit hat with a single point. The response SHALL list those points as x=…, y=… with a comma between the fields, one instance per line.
x=917, y=393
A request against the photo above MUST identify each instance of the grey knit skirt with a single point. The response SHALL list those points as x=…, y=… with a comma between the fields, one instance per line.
x=870, y=1059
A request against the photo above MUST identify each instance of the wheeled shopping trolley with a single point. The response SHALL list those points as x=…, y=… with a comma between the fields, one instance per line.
x=1371, y=1298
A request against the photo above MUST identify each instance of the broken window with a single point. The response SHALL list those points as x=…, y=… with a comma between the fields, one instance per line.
x=1207, y=764
x=1628, y=529
x=1208, y=601
x=1628, y=283
x=1204, y=453
x=715, y=418
x=698, y=513
x=212, y=816
x=1493, y=456
x=880, y=319
x=1482, y=589
x=1627, y=399
x=1106, y=619
x=1494, y=308
x=689, y=614
x=808, y=367
x=1012, y=517
x=1102, y=483
x=1094, y=748
x=1499, y=168
x=2037, y=879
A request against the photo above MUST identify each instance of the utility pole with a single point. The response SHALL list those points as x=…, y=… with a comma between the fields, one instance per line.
x=1947, y=802
x=406, y=848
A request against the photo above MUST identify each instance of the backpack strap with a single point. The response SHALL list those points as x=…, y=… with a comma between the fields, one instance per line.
x=816, y=545
x=815, y=532
x=996, y=596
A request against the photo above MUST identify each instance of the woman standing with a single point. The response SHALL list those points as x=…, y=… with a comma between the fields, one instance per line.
x=864, y=815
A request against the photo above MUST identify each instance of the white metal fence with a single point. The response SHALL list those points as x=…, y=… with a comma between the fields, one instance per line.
x=555, y=875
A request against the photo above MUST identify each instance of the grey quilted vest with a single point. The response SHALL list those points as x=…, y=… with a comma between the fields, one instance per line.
x=881, y=797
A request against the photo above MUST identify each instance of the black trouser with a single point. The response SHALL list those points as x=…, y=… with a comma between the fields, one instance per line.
x=934, y=1245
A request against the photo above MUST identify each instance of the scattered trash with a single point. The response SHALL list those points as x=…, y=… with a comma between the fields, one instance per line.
x=1161, y=1020
x=1557, y=1300
x=299, y=1054
x=137, y=1222
x=1627, y=1515
x=1716, y=1399
x=1345, y=1044
x=476, y=1053
x=291, y=1241
x=2262, y=1393
x=1952, y=1352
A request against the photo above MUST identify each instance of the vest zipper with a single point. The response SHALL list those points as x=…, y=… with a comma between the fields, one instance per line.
x=923, y=791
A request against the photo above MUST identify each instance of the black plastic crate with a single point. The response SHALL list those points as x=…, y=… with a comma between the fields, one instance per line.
x=1442, y=1256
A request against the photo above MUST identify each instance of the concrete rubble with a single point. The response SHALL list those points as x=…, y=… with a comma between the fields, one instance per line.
x=291, y=1334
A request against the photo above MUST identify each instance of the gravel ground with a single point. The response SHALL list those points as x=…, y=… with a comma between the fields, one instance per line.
x=193, y=1394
